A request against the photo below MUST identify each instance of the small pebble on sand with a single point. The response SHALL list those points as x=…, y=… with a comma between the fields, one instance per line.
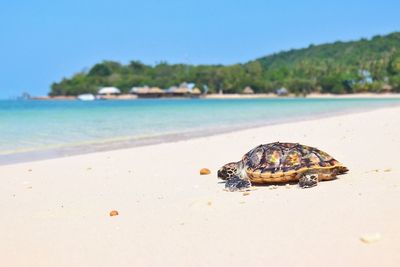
x=205, y=171
x=114, y=213
x=246, y=193
x=370, y=238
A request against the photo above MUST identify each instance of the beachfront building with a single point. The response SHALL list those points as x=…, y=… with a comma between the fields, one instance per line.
x=136, y=90
x=248, y=90
x=189, y=86
x=147, y=92
x=282, y=91
x=177, y=91
x=386, y=88
x=107, y=91
x=196, y=91
x=184, y=90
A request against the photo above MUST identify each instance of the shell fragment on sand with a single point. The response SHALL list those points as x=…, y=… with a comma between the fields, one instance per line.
x=205, y=171
x=114, y=213
x=370, y=238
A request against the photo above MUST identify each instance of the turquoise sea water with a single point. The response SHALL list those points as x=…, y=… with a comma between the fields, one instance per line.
x=39, y=125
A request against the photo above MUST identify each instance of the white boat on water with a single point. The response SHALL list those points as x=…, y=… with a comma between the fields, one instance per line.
x=86, y=97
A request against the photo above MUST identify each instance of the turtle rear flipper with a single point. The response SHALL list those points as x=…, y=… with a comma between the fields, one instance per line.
x=236, y=183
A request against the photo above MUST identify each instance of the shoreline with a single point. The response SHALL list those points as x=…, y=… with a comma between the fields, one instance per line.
x=127, y=97
x=312, y=96
x=90, y=147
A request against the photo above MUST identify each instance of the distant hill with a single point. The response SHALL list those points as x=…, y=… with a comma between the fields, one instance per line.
x=341, y=67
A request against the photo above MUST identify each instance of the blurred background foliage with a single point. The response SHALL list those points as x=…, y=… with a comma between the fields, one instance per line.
x=342, y=67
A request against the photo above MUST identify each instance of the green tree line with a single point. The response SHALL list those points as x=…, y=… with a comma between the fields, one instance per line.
x=366, y=65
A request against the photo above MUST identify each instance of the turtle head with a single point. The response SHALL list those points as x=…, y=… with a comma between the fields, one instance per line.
x=230, y=170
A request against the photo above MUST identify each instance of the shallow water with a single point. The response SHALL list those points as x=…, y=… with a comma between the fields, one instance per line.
x=42, y=125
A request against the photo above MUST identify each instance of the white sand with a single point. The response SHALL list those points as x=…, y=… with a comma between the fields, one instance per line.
x=312, y=95
x=55, y=212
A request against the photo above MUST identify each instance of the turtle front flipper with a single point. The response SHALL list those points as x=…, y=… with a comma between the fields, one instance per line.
x=308, y=179
x=236, y=183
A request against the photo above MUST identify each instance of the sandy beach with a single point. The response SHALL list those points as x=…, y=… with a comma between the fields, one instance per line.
x=312, y=95
x=56, y=212
x=243, y=96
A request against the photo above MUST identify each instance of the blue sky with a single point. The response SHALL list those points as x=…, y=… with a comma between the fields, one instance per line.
x=43, y=41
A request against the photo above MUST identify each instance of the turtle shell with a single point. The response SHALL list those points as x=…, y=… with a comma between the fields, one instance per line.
x=283, y=162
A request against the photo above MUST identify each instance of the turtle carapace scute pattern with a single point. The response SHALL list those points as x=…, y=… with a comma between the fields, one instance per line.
x=279, y=163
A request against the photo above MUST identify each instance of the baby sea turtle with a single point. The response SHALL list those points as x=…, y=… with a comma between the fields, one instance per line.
x=278, y=163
